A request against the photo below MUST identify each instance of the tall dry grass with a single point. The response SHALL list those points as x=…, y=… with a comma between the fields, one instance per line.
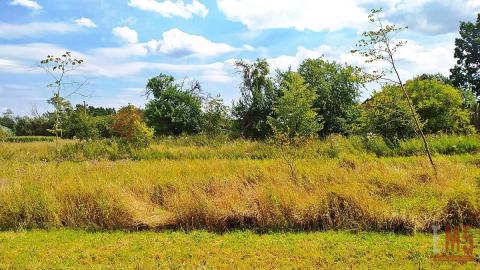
x=345, y=191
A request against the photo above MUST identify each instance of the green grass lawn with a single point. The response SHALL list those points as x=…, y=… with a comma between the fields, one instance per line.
x=76, y=249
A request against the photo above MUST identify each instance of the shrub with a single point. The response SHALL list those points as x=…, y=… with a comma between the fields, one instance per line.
x=5, y=132
x=128, y=125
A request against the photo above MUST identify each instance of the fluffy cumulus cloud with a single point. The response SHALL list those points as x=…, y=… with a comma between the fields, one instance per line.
x=170, y=9
x=107, y=62
x=431, y=16
x=85, y=22
x=413, y=59
x=175, y=42
x=125, y=34
x=300, y=15
x=26, y=3
x=34, y=29
x=420, y=15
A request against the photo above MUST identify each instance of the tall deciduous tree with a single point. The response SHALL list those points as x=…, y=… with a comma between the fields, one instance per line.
x=258, y=96
x=294, y=112
x=174, y=109
x=338, y=89
x=216, y=117
x=466, y=73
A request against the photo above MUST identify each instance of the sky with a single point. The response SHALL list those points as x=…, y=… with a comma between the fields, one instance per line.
x=125, y=42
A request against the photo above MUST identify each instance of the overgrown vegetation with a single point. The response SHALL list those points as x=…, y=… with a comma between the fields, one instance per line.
x=240, y=184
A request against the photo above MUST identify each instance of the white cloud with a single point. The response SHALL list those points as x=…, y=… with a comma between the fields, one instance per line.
x=300, y=14
x=12, y=31
x=26, y=3
x=171, y=8
x=12, y=66
x=85, y=22
x=125, y=34
x=425, y=16
x=283, y=62
x=178, y=43
x=107, y=62
x=413, y=59
x=123, y=52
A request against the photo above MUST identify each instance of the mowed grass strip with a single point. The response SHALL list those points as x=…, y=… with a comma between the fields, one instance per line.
x=362, y=193
x=67, y=249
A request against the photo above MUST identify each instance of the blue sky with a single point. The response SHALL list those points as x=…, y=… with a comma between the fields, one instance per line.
x=125, y=42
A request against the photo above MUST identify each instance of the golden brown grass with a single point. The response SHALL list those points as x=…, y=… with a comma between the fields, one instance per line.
x=359, y=192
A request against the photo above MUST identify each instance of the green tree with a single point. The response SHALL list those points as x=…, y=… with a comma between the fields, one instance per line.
x=8, y=120
x=81, y=125
x=466, y=73
x=294, y=113
x=174, y=109
x=216, y=118
x=439, y=107
x=387, y=114
x=469, y=98
x=258, y=96
x=338, y=90
x=37, y=125
x=128, y=124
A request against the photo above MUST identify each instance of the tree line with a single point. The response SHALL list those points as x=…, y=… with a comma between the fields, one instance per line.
x=320, y=98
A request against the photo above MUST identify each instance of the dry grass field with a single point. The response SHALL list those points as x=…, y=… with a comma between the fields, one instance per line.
x=246, y=191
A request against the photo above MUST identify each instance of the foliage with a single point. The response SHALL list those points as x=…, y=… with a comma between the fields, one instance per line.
x=258, y=97
x=294, y=114
x=469, y=98
x=440, y=107
x=128, y=124
x=338, y=90
x=216, y=119
x=7, y=120
x=466, y=74
x=387, y=114
x=81, y=125
x=37, y=125
x=99, y=111
x=174, y=109
x=5, y=132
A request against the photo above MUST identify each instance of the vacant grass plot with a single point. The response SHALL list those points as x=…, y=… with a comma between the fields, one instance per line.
x=349, y=189
x=334, y=204
x=67, y=249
